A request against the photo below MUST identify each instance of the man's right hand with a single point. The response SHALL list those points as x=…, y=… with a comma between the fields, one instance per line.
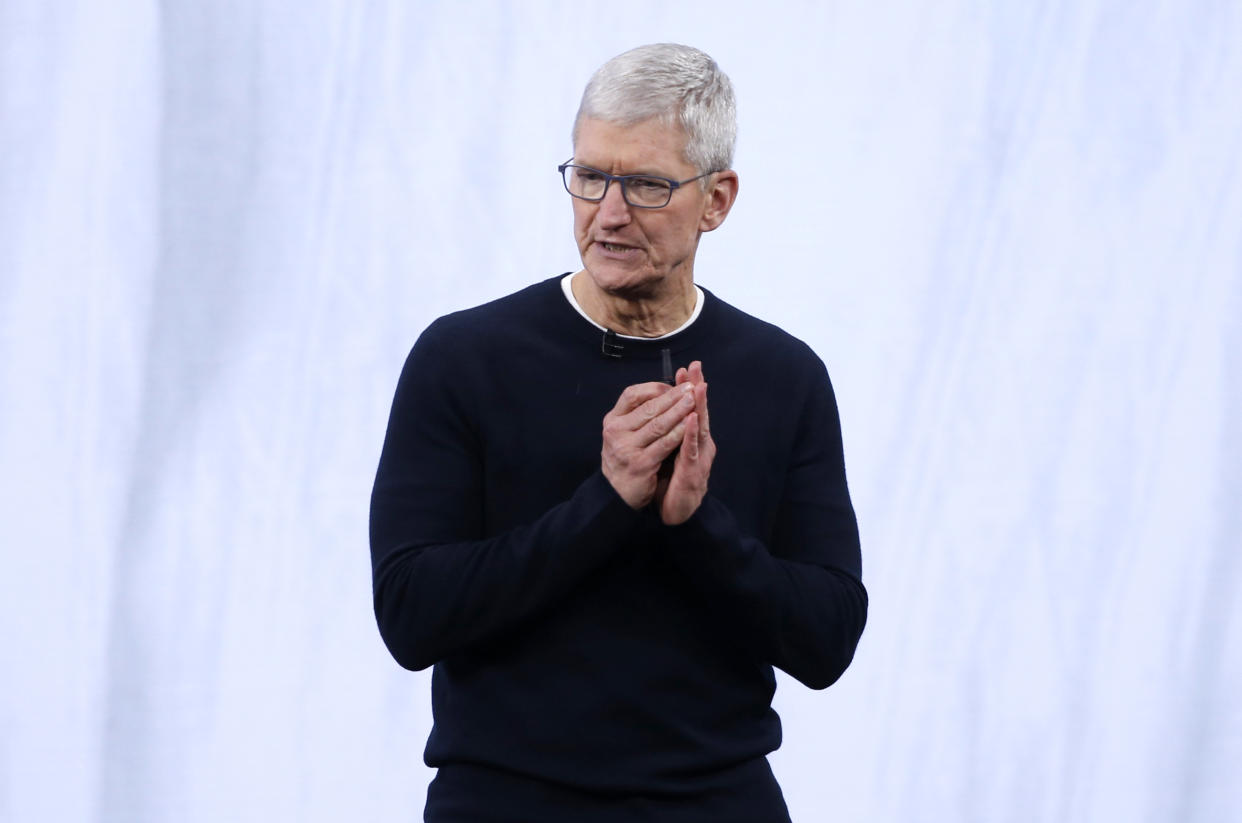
x=644, y=427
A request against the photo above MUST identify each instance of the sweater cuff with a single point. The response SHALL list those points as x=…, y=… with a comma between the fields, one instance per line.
x=614, y=517
x=709, y=545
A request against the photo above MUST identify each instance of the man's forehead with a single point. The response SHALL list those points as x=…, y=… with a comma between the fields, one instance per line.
x=652, y=145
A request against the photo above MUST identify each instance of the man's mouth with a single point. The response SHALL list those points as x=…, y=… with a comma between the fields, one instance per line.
x=616, y=247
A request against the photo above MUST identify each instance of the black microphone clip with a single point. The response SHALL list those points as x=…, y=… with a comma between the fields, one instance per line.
x=611, y=346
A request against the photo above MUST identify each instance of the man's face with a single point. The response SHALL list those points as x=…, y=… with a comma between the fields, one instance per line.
x=630, y=251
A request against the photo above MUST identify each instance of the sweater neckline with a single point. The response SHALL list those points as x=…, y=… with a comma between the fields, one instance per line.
x=568, y=289
x=592, y=334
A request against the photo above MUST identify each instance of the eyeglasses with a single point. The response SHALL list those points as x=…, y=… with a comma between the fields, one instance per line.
x=643, y=191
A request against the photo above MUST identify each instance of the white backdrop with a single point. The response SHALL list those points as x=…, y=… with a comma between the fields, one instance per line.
x=1013, y=230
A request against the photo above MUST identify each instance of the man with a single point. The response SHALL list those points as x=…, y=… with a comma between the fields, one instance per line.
x=602, y=592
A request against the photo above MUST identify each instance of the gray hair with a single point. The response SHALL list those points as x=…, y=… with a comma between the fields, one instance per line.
x=677, y=84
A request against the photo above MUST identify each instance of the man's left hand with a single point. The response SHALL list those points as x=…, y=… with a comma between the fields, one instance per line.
x=679, y=497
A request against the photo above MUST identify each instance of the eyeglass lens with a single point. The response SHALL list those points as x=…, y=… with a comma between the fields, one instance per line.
x=590, y=184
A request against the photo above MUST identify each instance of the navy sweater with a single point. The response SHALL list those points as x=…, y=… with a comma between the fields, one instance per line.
x=580, y=645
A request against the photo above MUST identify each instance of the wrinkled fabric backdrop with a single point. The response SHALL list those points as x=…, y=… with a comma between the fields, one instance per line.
x=1013, y=231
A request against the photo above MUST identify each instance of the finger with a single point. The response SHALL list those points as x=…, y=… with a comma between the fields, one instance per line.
x=657, y=427
x=700, y=408
x=638, y=394
x=653, y=408
x=690, y=443
x=696, y=371
x=664, y=445
x=682, y=376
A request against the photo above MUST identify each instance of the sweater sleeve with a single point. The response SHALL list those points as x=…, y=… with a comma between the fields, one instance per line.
x=440, y=586
x=799, y=603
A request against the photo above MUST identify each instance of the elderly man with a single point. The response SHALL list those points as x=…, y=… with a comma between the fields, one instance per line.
x=602, y=570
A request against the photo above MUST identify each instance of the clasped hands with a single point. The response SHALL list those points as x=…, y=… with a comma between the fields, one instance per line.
x=649, y=422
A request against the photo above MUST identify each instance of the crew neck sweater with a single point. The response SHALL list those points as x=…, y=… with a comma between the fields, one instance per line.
x=588, y=657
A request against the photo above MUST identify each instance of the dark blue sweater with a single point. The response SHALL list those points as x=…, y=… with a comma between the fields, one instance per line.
x=584, y=650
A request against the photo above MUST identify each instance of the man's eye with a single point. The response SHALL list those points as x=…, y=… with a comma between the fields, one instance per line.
x=651, y=184
x=589, y=176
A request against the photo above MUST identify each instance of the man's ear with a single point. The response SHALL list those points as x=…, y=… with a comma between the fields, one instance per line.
x=720, y=199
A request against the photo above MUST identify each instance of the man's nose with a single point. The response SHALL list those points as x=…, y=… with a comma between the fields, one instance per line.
x=613, y=210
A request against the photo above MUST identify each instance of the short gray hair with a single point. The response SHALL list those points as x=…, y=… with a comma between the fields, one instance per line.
x=677, y=84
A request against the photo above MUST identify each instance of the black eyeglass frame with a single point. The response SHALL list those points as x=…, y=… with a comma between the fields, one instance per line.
x=623, y=179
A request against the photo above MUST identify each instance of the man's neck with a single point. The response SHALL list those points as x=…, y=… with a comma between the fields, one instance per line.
x=643, y=316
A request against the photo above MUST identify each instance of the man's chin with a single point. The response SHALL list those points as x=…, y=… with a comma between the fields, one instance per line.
x=625, y=282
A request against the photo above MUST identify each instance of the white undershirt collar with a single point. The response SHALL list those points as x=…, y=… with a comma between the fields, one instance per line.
x=567, y=287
